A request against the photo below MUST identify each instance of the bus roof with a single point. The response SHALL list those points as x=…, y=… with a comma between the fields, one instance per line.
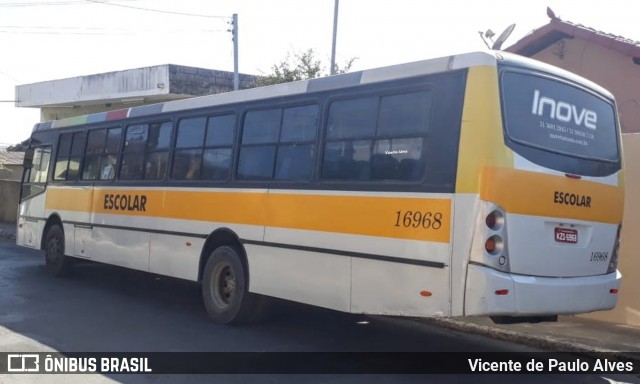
x=393, y=72
x=368, y=76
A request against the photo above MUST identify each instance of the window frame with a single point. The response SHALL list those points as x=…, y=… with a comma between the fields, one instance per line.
x=204, y=147
x=145, y=151
x=104, y=153
x=280, y=143
x=70, y=155
x=379, y=95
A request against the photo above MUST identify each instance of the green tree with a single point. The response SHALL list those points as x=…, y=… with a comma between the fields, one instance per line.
x=303, y=65
x=20, y=147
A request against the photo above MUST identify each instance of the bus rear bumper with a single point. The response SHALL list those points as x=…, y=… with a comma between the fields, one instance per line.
x=490, y=292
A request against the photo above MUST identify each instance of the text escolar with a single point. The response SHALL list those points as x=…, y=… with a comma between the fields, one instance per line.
x=119, y=202
x=572, y=199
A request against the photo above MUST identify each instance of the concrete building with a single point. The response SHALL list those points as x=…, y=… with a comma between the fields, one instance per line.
x=76, y=96
x=614, y=63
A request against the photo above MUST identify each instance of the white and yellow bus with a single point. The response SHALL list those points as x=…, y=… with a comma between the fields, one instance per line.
x=475, y=184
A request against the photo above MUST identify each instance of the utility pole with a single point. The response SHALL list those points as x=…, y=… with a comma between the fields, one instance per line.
x=335, y=33
x=234, y=32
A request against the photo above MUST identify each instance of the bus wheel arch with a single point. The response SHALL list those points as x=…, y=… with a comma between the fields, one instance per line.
x=54, y=219
x=53, y=245
x=224, y=275
x=218, y=238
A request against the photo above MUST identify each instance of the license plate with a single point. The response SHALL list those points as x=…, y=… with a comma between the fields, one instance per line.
x=564, y=235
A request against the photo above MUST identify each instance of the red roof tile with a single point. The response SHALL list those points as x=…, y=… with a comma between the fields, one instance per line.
x=558, y=29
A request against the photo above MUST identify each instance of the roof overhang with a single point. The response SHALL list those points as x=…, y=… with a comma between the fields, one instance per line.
x=558, y=29
x=129, y=86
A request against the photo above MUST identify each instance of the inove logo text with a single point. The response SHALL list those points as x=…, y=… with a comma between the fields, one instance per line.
x=563, y=111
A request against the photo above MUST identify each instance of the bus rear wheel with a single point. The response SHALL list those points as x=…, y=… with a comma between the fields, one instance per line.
x=56, y=262
x=225, y=288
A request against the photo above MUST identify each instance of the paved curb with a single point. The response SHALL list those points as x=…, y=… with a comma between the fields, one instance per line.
x=538, y=341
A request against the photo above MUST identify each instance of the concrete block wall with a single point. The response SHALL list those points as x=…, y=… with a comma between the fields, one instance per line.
x=201, y=82
x=628, y=309
x=9, y=198
x=10, y=172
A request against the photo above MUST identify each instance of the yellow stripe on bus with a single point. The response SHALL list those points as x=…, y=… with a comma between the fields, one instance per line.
x=481, y=135
x=532, y=193
x=425, y=219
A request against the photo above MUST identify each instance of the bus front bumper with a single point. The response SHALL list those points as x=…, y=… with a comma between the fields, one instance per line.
x=490, y=292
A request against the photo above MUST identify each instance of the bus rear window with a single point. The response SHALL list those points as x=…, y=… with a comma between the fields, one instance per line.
x=558, y=117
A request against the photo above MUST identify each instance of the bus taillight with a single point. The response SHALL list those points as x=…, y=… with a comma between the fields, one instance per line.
x=613, y=262
x=490, y=238
x=494, y=245
x=494, y=220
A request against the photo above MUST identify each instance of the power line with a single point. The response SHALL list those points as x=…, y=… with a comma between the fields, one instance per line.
x=95, y=31
x=158, y=10
x=41, y=3
x=9, y=76
x=47, y=3
x=106, y=2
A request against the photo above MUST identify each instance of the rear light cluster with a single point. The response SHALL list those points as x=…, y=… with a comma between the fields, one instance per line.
x=495, y=244
x=490, y=238
x=613, y=262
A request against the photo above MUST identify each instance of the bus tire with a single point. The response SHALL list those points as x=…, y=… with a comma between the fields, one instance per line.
x=57, y=263
x=225, y=288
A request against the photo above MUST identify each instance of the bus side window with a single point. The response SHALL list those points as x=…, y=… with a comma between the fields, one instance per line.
x=69, y=156
x=203, y=148
x=216, y=159
x=216, y=164
x=157, y=150
x=258, y=148
x=186, y=164
x=377, y=138
x=384, y=167
x=133, y=152
x=101, y=154
x=294, y=160
x=188, y=155
x=279, y=143
x=256, y=162
x=95, y=147
x=146, y=151
x=410, y=169
x=347, y=160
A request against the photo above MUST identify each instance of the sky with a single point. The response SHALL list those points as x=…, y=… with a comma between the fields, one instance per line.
x=44, y=40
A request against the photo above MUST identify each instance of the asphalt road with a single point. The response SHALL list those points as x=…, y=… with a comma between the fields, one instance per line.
x=108, y=309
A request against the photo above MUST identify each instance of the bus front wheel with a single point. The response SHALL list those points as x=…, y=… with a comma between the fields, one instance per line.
x=56, y=262
x=225, y=288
